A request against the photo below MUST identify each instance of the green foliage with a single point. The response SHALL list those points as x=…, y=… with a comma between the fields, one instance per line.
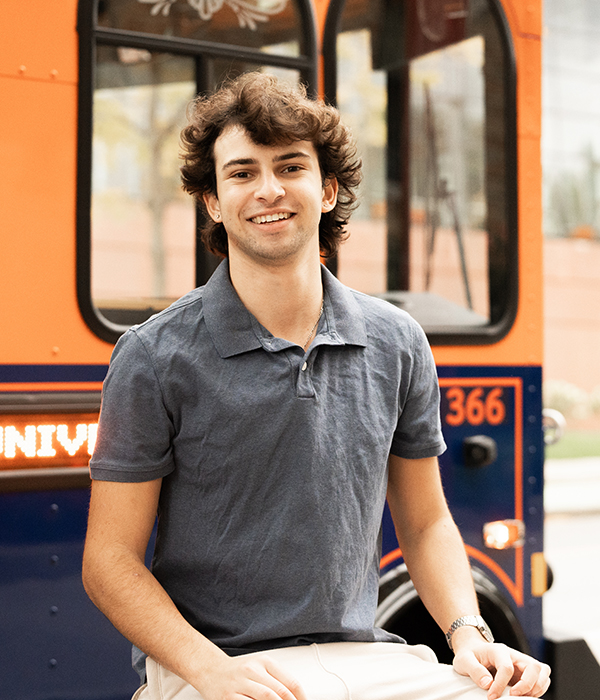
x=576, y=443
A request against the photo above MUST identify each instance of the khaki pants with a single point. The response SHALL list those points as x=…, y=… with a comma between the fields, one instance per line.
x=344, y=671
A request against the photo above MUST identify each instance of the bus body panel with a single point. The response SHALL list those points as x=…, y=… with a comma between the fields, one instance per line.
x=57, y=644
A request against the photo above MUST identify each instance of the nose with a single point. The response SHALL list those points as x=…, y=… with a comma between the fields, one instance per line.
x=269, y=189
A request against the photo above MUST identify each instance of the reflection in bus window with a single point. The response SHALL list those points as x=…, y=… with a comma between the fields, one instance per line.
x=137, y=251
x=143, y=226
x=448, y=240
x=435, y=232
x=362, y=100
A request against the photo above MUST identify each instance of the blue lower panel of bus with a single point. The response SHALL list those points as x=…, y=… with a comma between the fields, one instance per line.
x=55, y=644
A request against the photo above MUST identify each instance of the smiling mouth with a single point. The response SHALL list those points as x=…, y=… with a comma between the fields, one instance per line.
x=268, y=218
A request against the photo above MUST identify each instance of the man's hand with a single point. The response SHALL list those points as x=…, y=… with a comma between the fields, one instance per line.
x=493, y=667
x=234, y=678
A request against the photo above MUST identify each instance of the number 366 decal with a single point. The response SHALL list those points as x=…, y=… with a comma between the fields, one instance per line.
x=475, y=406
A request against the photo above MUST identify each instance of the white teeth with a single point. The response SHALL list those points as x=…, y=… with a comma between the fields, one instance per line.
x=270, y=217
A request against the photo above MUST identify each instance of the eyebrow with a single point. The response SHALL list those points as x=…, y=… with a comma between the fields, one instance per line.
x=253, y=161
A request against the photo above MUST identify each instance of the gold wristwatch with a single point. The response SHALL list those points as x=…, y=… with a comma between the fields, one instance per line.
x=470, y=621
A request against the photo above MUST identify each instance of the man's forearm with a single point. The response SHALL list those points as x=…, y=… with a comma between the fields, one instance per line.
x=119, y=526
x=429, y=539
x=135, y=602
x=439, y=568
x=123, y=588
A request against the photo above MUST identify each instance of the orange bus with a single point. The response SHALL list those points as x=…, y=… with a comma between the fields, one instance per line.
x=444, y=98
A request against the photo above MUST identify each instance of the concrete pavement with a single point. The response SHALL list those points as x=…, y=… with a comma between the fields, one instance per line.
x=572, y=548
x=572, y=485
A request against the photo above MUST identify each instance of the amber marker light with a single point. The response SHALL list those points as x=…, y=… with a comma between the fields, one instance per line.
x=504, y=534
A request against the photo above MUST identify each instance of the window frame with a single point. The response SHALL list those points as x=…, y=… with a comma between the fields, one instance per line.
x=458, y=335
x=90, y=36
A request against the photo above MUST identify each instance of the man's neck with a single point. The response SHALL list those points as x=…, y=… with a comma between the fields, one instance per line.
x=285, y=298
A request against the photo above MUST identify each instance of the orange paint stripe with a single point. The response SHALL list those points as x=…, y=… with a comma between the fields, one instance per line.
x=394, y=555
x=474, y=553
x=514, y=590
x=50, y=386
x=480, y=381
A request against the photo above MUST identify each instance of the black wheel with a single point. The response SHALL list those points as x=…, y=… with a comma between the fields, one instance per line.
x=401, y=611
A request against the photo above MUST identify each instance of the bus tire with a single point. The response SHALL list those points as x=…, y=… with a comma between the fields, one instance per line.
x=401, y=612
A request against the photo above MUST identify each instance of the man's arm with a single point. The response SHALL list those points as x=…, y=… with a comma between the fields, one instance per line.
x=435, y=556
x=115, y=577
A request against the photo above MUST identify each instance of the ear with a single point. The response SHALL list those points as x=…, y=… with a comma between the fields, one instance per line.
x=211, y=202
x=330, y=192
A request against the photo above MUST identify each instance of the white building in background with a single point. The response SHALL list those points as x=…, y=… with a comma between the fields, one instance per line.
x=571, y=202
x=571, y=118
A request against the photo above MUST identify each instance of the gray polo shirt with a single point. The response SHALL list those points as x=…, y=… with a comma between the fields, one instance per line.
x=273, y=459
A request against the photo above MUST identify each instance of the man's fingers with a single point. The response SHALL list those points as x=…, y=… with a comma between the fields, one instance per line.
x=490, y=666
x=534, y=679
x=269, y=689
x=467, y=664
x=526, y=675
x=252, y=679
x=288, y=688
x=503, y=676
x=282, y=683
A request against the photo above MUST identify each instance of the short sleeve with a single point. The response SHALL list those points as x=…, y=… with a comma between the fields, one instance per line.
x=135, y=431
x=418, y=433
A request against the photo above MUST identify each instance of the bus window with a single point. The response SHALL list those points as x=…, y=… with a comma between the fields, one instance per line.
x=143, y=226
x=436, y=229
x=144, y=61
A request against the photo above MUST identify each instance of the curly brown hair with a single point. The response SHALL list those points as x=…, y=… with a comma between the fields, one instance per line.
x=273, y=113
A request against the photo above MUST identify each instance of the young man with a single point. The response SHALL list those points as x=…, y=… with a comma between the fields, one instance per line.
x=265, y=417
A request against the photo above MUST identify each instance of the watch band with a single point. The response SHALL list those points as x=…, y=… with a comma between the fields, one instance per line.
x=470, y=621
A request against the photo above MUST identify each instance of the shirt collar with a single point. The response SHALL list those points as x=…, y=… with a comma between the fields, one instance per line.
x=233, y=329
x=344, y=316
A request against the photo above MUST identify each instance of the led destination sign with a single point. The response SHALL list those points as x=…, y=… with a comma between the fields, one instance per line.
x=47, y=440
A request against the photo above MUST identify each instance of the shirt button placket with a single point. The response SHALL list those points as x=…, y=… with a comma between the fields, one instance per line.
x=305, y=385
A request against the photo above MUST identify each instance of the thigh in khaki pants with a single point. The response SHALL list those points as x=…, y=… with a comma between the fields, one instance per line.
x=302, y=662
x=344, y=671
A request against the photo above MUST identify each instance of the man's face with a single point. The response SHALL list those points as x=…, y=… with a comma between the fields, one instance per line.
x=269, y=198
